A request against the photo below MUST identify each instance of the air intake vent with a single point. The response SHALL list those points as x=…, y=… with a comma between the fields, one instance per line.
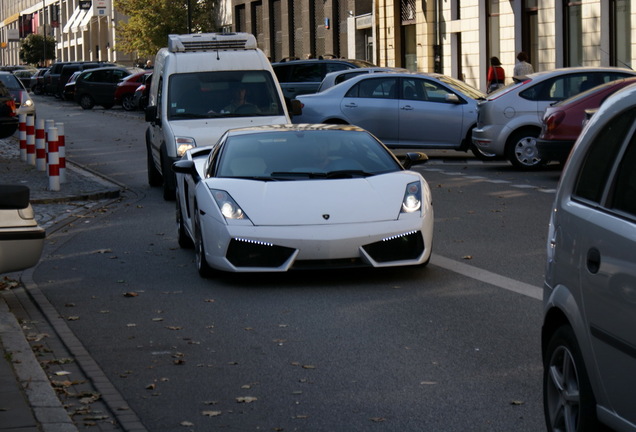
x=211, y=42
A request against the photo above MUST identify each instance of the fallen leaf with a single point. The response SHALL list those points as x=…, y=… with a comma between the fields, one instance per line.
x=62, y=373
x=73, y=318
x=131, y=294
x=174, y=327
x=517, y=402
x=246, y=399
x=211, y=413
x=378, y=419
x=209, y=300
x=467, y=257
x=151, y=386
x=309, y=367
x=186, y=423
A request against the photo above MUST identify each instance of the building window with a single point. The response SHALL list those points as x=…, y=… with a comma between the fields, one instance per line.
x=530, y=32
x=620, y=30
x=573, y=29
x=494, y=47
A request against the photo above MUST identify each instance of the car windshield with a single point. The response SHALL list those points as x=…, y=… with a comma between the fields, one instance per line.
x=304, y=155
x=223, y=94
x=461, y=87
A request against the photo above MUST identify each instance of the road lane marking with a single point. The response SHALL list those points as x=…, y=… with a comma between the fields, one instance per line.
x=488, y=277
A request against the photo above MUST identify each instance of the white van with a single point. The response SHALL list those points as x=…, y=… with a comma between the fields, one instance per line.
x=202, y=85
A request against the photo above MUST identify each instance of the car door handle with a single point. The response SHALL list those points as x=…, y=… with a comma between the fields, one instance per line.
x=407, y=108
x=593, y=260
x=351, y=105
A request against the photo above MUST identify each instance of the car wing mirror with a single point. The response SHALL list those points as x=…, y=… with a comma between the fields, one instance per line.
x=414, y=158
x=452, y=98
x=151, y=114
x=187, y=167
x=295, y=107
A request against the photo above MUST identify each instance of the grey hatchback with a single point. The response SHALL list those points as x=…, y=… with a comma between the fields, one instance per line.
x=588, y=334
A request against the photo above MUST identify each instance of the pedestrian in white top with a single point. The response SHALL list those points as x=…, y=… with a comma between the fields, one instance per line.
x=522, y=67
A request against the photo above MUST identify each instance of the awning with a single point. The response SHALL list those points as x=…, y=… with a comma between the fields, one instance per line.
x=80, y=18
x=71, y=20
x=86, y=20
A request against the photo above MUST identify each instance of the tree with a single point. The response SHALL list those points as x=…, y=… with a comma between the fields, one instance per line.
x=33, y=49
x=151, y=21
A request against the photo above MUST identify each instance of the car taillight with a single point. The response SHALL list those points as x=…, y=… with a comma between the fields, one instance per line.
x=554, y=120
x=11, y=105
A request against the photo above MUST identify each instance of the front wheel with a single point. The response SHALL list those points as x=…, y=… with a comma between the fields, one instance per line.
x=86, y=102
x=154, y=176
x=204, y=269
x=184, y=239
x=522, y=151
x=568, y=400
x=128, y=102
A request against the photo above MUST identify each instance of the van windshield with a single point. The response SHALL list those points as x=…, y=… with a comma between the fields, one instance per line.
x=223, y=94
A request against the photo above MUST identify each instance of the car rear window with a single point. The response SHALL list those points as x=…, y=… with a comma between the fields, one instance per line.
x=592, y=178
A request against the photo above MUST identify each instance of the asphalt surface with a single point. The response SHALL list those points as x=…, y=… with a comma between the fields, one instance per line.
x=35, y=394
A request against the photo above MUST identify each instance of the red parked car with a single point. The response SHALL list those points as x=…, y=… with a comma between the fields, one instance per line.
x=125, y=91
x=563, y=121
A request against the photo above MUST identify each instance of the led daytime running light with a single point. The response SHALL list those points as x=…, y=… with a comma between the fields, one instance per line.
x=397, y=236
x=257, y=242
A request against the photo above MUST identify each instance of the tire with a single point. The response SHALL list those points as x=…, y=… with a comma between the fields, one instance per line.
x=522, y=151
x=204, y=269
x=154, y=176
x=37, y=90
x=86, y=102
x=128, y=103
x=568, y=400
x=107, y=106
x=169, y=180
x=185, y=242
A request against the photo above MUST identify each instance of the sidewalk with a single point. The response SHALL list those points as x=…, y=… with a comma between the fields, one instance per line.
x=28, y=402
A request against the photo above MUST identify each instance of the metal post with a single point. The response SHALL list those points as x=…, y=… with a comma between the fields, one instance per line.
x=44, y=32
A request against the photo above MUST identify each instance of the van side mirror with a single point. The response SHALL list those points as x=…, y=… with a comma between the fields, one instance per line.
x=151, y=114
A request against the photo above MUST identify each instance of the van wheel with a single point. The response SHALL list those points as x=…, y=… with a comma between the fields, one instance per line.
x=86, y=102
x=169, y=180
x=568, y=401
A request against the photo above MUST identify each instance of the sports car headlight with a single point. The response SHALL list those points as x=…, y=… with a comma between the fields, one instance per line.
x=412, y=198
x=229, y=208
x=184, y=144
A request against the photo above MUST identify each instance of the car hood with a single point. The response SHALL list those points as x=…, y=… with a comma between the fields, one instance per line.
x=207, y=132
x=319, y=202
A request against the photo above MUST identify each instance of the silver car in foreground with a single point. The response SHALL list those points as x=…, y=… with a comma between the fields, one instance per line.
x=402, y=109
x=21, y=239
x=509, y=120
x=589, y=327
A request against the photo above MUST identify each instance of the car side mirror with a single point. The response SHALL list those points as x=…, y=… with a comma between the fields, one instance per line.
x=295, y=107
x=414, y=158
x=452, y=98
x=151, y=114
x=187, y=167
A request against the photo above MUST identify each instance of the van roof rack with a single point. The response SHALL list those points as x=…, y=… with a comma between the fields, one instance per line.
x=211, y=42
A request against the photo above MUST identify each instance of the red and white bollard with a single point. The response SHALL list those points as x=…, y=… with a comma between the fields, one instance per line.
x=40, y=146
x=30, y=140
x=53, y=160
x=48, y=124
x=61, y=145
x=22, y=136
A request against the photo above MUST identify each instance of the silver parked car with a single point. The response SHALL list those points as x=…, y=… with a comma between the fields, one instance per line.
x=334, y=78
x=509, y=120
x=402, y=109
x=588, y=335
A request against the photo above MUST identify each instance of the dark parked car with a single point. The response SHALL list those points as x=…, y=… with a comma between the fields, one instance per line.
x=125, y=91
x=37, y=81
x=563, y=121
x=69, y=69
x=297, y=77
x=97, y=86
x=52, y=77
x=69, y=89
x=24, y=75
x=8, y=116
x=140, y=99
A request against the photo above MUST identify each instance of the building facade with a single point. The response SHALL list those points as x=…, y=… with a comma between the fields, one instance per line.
x=83, y=30
x=454, y=37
